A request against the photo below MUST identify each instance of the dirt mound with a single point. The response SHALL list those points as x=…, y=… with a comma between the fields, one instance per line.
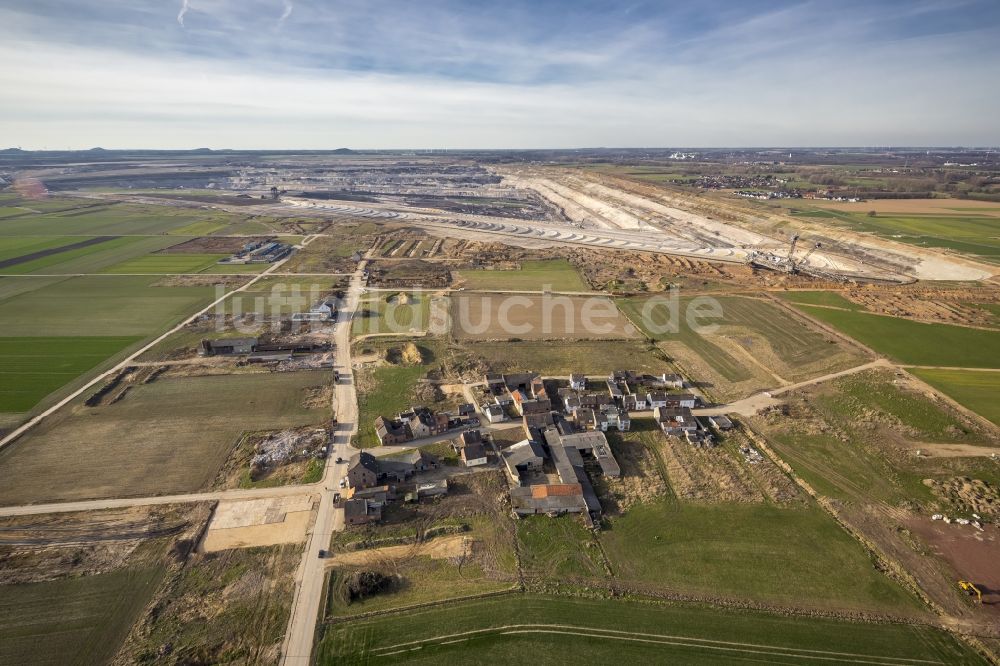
x=410, y=354
x=970, y=495
x=402, y=298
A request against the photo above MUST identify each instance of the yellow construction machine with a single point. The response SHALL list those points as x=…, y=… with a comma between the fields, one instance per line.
x=971, y=589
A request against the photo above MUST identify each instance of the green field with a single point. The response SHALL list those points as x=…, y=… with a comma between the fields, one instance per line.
x=12, y=247
x=284, y=295
x=558, y=549
x=93, y=258
x=827, y=298
x=33, y=367
x=379, y=315
x=554, y=274
x=749, y=551
x=913, y=342
x=88, y=218
x=169, y=263
x=977, y=235
x=100, y=305
x=846, y=441
x=391, y=388
x=563, y=358
x=169, y=436
x=73, y=620
x=556, y=630
x=978, y=391
x=791, y=348
x=226, y=607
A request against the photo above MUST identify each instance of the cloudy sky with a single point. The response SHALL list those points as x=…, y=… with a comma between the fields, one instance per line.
x=511, y=74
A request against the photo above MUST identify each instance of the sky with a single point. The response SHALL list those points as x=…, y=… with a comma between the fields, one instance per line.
x=312, y=74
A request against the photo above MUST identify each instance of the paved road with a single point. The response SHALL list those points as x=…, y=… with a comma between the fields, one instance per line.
x=298, y=643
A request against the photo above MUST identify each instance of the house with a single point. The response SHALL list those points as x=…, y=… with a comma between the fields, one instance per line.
x=578, y=382
x=585, y=418
x=572, y=403
x=471, y=449
x=595, y=400
x=391, y=431
x=551, y=499
x=466, y=409
x=618, y=419
x=521, y=458
x=592, y=443
x=670, y=381
x=522, y=381
x=621, y=376
x=538, y=419
x=720, y=422
x=568, y=459
x=325, y=307
x=227, y=346
x=359, y=511
x=633, y=402
x=362, y=471
x=422, y=422
x=378, y=495
x=399, y=467
x=615, y=390
x=534, y=406
x=495, y=384
x=494, y=413
x=681, y=400
x=675, y=420
x=537, y=387
x=656, y=399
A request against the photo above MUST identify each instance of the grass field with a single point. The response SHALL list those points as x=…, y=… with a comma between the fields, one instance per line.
x=169, y=436
x=908, y=341
x=978, y=391
x=828, y=298
x=388, y=394
x=283, y=295
x=92, y=258
x=749, y=551
x=98, y=305
x=387, y=314
x=848, y=441
x=614, y=631
x=230, y=607
x=89, y=218
x=752, y=335
x=169, y=263
x=33, y=367
x=558, y=549
x=72, y=620
x=974, y=234
x=553, y=274
x=12, y=247
x=535, y=317
x=563, y=358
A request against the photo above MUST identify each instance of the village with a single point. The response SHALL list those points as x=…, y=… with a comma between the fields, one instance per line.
x=562, y=422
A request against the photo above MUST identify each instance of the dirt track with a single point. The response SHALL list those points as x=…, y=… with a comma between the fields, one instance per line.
x=438, y=549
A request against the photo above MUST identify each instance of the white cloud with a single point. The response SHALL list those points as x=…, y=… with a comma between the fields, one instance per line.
x=767, y=81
